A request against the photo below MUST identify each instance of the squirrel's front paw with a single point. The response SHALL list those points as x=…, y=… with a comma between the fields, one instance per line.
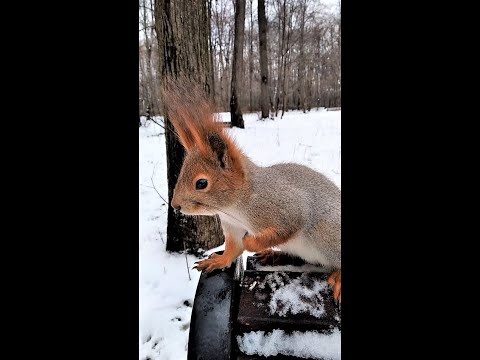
x=271, y=257
x=213, y=263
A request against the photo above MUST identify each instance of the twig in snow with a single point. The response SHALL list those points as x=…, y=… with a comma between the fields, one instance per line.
x=151, y=119
x=186, y=260
x=151, y=187
x=151, y=179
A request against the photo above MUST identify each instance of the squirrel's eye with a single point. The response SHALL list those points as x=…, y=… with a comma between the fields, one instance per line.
x=201, y=184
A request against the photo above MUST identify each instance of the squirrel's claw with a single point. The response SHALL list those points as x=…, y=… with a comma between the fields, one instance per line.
x=217, y=262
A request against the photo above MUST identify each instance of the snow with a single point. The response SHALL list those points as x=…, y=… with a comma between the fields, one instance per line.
x=292, y=268
x=164, y=283
x=312, y=139
x=327, y=346
x=291, y=296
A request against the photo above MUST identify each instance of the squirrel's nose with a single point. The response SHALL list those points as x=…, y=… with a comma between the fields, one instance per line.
x=175, y=204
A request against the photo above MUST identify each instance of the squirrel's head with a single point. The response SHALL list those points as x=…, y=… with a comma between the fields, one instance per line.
x=213, y=173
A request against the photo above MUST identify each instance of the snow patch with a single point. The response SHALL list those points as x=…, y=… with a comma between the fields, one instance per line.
x=309, y=344
x=294, y=296
x=292, y=268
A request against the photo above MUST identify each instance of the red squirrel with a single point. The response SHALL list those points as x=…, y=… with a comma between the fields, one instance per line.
x=288, y=206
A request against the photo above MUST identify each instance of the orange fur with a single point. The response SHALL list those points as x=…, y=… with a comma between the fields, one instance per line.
x=232, y=251
x=192, y=116
x=335, y=280
x=265, y=239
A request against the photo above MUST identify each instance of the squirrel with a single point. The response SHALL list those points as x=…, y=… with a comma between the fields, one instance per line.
x=287, y=205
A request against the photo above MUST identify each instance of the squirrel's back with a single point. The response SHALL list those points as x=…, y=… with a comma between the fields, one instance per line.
x=300, y=198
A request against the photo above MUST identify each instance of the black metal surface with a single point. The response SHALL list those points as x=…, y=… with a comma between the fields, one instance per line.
x=211, y=327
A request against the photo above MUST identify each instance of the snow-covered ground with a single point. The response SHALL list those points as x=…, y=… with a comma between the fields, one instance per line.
x=166, y=293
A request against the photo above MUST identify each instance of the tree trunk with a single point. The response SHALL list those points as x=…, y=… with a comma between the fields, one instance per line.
x=182, y=35
x=221, y=70
x=237, y=67
x=210, y=44
x=250, y=56
x=281, y=30
x=301, y=62
x=262, y=29
x=285, y=56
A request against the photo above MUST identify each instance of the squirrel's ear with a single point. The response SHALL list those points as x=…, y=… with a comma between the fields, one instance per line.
x=178, y=118
x=219, y=148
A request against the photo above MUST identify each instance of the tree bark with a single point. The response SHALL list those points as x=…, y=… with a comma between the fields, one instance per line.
x=237, y=67
x=211, y=49
x=285, y=55
x=281, y=30
x=182, y=35
x=262, y=29
x=250, y=57
x=301, y=60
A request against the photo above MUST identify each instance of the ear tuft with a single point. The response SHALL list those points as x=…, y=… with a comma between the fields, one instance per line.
x=219, y=147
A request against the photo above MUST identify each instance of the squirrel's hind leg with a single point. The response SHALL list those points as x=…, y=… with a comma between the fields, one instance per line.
x=270, y=257
x=335, y=280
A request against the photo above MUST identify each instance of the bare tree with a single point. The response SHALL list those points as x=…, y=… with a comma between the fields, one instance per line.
x=147, y=77
x=250, y=57
x=301, y=58
x=211, y=50
x=281, y=34
x=222, y=39
x=182, y=35
x=262, y=29
x=301, y=41
x=237, y=68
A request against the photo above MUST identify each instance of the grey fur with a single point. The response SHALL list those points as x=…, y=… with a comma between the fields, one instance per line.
x=300, y=200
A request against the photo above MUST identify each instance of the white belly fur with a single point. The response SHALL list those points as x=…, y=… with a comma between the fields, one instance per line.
x=297, y=246
x=301, y=247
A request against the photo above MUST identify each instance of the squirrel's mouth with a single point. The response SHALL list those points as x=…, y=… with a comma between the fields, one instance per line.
x=192, y=212
x=197, y=208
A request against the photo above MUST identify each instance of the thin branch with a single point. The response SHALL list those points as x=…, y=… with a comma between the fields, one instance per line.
x=186, y=260
x=151, y=179
x=147, y=27
x=163, y=127
x=146, y=7
x=151, y=187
